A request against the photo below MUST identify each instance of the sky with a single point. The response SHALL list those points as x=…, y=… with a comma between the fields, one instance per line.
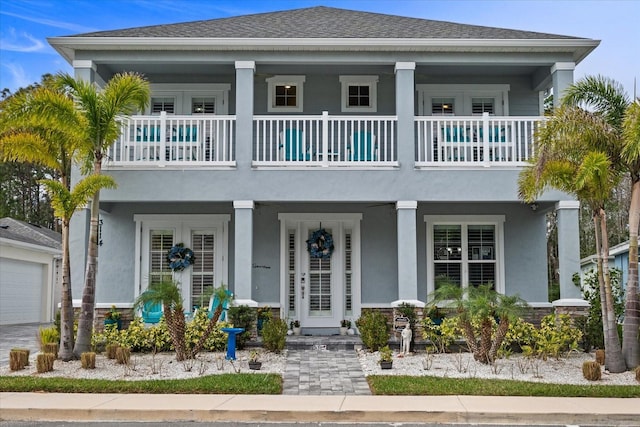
x=25, y=25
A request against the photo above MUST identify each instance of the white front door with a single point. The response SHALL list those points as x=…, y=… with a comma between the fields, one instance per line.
x=319, y=292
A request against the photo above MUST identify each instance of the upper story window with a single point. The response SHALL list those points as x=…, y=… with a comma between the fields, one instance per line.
x=359, y=94
x=463, y=99
x=203, y=105
x=482, y=105
x=285, y=93
x=159, y=104
x=443, y=106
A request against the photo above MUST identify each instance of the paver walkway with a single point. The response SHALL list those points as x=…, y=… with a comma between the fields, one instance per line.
x=324, y=372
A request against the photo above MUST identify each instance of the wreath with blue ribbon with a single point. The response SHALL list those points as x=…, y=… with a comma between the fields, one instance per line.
x=320, y=245
x=180, y=257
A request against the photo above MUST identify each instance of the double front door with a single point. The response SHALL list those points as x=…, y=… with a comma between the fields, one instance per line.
x=319, y=291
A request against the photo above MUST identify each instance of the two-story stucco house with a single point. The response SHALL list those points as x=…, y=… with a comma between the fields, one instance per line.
x=401, y=138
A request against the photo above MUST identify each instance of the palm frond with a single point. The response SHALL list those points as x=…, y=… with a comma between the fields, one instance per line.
x=599, y=94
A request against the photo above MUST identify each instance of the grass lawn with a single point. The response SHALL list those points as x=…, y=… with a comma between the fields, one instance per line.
x=210, y=384
x=438, y=386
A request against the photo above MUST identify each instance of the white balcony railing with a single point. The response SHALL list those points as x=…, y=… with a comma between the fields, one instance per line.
x=465, y=141
x=325, y=140
x=163, y=140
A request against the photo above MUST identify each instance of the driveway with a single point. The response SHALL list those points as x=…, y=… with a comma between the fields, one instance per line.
x=19, y=336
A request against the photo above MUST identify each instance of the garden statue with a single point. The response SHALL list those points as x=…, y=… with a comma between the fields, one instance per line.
x=405, y=342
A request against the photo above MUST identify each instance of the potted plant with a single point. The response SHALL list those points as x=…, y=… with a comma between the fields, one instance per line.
x=264, y=315
x=112, y=317
x=435, y=314
x=254, y=360
x=295, y=327
x=345, y=324
x=386, y=357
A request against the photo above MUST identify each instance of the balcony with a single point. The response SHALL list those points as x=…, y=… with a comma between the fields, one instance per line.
x=175, y=141
x=307, y=141
x=474, y=141
x=324, y=140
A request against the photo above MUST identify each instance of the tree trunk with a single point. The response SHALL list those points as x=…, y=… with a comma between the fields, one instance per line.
x=207, y=332
x=66, y=304
x=467, y=328
x=630, y=339
x=85, y=323
x=503, y=328
x=482, y=355
x=614, y=360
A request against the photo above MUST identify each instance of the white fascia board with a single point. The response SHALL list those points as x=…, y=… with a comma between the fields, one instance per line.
x=66, y=46
x=29, y=246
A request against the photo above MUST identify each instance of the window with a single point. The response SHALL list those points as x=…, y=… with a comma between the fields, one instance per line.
x=163, y=104
x=463, y=99
x=359, y=94
x=285, y=93
x=203, y=105
x=465, y=250
x=443, y=106
x=160, y=243
x=482, y=105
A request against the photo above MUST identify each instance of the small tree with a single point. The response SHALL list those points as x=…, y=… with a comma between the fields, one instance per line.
x=483, y=306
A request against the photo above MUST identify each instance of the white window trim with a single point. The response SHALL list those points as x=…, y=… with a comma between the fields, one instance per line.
x=274, y=81
x=181, y=223
x=371, y=81
x=465, y=220
x=462, y=94
x=184, y=92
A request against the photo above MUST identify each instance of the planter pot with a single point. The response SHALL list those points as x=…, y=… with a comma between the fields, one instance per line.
x=113, y=322
x=343, y=331
x=350, y=331
x=255, y=366
x=296, y=331
x=386, y=365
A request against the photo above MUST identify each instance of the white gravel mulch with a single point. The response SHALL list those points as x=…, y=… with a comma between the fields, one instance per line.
x=566, y=370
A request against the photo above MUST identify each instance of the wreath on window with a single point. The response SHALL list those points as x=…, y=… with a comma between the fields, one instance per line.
x=320, y=245
x=180, y=257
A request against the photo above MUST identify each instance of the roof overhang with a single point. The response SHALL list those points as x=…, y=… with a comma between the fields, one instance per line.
x=29, y=246
x=67, y=46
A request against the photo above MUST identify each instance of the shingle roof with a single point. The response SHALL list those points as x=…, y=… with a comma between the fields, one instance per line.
x=323, y=22
x=21, y=231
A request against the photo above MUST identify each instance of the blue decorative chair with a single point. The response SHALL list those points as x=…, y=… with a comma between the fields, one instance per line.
x=363, y=147
x=151, y=312
x=214, y=303
x=293, y=144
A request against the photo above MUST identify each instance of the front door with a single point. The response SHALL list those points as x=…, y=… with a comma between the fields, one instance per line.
x=319, y=291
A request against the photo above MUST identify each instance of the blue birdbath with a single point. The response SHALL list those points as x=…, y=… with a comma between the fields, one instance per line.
x=231, y=341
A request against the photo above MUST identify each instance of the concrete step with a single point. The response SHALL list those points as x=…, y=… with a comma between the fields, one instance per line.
x=323, y=342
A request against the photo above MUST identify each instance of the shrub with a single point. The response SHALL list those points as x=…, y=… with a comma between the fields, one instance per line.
x=111, y=350
x=374, y=330
x=195, y=329
x=591, y=325
x=600, y=357
x=591, y=370
x=123, y=355
x=44, y=362
x=638, y=374
x=244, y=317
x=88, y=360
x=17, y=359
x=274, y=333
x=52, y=348
x=443, y=335
x=48, y=336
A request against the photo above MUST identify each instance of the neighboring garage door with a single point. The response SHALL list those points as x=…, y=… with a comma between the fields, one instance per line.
x=21, y=291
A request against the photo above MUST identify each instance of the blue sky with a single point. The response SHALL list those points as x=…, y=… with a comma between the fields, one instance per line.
x=25, y=54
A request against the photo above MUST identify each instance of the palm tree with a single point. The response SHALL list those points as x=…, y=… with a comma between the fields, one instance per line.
x=571, y=157
x=481, y=304
x=42, y=126
x=223, y=297
x=607, y=98
x=122, y=95
x=167, y=293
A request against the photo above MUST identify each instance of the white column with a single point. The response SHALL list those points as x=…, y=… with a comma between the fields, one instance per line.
x=567, y=214
x=405, y=110
x=562, y=77
x=243, y=252
x=244, y=112
x=407, y=253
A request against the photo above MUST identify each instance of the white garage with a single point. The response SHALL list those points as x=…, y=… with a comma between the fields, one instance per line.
x=29, y=259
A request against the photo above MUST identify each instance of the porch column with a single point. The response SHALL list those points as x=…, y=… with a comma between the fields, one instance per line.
x=567, y=213
x=562, y=77
x=407, y=253
x=244, y=112
x=405, y=110
x=243, y=252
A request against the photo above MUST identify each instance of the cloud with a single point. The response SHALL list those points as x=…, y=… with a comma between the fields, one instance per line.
x=20, y=42
x=51, y=22
x=18, y=76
